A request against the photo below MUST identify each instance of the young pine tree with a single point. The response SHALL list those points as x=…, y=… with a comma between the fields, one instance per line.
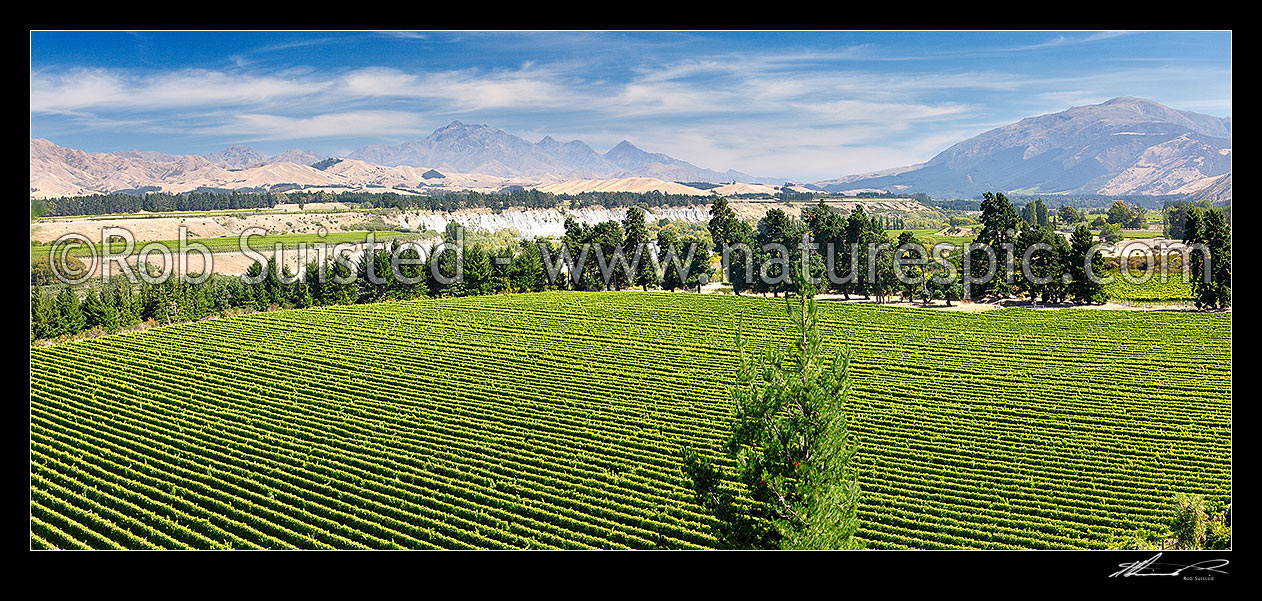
x=69, y=314
x=123, y=299
x=98, y=312
x=791, y=443
x=43, y=316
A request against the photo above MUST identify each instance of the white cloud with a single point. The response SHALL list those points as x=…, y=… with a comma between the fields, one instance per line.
x=464, y=90
x=253, y=126
x=91, y=88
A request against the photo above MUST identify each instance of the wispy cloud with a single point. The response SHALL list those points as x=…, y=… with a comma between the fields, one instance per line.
x=255, y=127
x=1067, y=40
x=465, y=90
x=406, y=35
x=88, y=88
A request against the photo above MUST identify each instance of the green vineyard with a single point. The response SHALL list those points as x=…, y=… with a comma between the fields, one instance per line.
x=1175, y=288
x=555, y=420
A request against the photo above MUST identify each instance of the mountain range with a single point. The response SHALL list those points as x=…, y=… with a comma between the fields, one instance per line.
x=244, y=157
x=60, y=171
x=1121, y=147
x=484, y=149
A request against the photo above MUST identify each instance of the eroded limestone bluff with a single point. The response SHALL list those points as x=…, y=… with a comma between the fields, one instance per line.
x=532, y=223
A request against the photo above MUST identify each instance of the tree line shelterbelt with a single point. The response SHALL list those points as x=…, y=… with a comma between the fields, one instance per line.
x=850, y=254
x=152, y=202
x=514, y=197
x=518, y=198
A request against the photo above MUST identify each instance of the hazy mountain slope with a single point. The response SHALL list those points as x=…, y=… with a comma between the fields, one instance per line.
x=1123, y=146
x=576, y=155
x=148, y=155
x=243, y=157
x=483, y=149
x=300, y=157
x=628, y=184
x=467, y=148
x=236, y=157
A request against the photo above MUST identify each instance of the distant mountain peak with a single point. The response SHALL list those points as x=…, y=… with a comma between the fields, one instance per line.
x=1130, y=100
x=459, y=125
x=477, y=148
x=630, y=157
x=236, y=157
x=1126, y=145
x=298, y=156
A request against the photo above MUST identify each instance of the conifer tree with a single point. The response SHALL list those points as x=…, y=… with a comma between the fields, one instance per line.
x=791, y=443
x=671, y=259
x=1083, y=288
x=70, y=318
x=98, y=312
x=43, y=317
x=636, y=247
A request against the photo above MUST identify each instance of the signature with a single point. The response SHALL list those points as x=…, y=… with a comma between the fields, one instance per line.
x=1150, y=567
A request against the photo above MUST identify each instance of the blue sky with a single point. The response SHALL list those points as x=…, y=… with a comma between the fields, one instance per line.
x=799, y=105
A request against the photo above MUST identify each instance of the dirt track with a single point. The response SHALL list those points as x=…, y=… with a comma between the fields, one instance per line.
x=969, y=306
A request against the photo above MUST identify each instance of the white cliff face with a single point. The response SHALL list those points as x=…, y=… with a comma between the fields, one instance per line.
x=533, y=223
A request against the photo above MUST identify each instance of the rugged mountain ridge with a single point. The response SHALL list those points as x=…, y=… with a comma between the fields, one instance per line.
x=457, y=156
x=59, y=171
x=244, y=157
x=1122, y=146
x=236, y=157
x=478, y=148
